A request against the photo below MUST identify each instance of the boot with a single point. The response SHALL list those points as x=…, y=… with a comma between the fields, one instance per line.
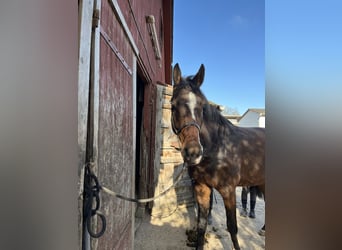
x=251, y=212
x=244, y=193
x=243, y=212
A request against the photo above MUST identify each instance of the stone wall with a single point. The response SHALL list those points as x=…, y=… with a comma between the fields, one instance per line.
x=168, y=160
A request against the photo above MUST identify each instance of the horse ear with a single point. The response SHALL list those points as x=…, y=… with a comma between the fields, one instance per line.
x=199, y=77
x=177, y=74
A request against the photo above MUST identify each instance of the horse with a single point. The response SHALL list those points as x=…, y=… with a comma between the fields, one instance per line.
x=218, y=154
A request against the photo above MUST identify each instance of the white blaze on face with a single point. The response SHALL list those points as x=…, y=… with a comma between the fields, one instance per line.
x=192, y=104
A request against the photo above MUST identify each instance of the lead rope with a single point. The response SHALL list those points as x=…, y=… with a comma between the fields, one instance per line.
x=91, y=193
x=92, y=189
x=110, y=192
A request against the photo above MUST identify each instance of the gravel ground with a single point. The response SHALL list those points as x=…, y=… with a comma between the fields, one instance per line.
x=169, y=233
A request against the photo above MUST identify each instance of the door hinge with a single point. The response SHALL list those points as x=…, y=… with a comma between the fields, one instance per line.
x=96, y=18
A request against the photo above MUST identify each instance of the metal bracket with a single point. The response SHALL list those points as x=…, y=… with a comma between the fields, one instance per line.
x=116, y=51
x=96, y=18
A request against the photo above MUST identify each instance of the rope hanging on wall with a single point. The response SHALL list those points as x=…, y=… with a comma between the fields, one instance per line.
x=91, y=193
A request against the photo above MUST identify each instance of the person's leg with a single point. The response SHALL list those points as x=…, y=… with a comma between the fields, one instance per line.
x=244, y=193
x=253, y=194
x=210, y=218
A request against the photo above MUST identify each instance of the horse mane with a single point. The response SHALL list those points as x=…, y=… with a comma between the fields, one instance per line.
x=212, y=113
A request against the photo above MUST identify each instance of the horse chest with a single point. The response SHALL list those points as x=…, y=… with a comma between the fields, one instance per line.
x=199, y=173
x=213, y=173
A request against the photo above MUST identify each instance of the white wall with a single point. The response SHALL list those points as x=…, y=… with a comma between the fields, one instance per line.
x=262, y=121
x=252, y=119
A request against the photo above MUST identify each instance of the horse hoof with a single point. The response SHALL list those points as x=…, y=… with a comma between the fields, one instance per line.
x=251, y=214
x=261, y=232
x=191, y=244
x=210, y=220
x=192, y=235
x=236, y=248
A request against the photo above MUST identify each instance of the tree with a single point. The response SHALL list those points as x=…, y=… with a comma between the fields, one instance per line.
x=224, y=109
x=230, y=111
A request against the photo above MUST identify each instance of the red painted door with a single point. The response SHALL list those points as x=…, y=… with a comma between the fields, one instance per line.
x=115, y=130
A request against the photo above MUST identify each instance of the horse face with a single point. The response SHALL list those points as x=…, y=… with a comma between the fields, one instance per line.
x=187, y=115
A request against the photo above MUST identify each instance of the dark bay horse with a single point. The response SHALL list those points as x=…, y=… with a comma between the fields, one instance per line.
x=218, y=154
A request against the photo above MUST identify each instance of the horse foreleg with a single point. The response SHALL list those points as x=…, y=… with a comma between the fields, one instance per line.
x=228, y=195
x=202, y=193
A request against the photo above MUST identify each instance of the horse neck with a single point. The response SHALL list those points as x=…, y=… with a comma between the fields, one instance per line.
x=215, y=127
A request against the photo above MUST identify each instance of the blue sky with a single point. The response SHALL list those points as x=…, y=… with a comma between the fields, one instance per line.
x=304, y=56
x=228, y=37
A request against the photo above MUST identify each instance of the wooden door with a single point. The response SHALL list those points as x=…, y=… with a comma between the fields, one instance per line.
x=116, y=129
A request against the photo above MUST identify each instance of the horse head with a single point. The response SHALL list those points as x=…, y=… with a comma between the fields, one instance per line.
x=187, y=105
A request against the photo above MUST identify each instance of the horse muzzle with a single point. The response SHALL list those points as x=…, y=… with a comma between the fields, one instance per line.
x=192, y=153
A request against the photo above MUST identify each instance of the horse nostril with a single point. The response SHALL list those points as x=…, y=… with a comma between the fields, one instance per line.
x=186, y=152
x=193, y=152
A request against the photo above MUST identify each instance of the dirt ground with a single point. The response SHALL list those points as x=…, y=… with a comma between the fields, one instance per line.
x=169, y=233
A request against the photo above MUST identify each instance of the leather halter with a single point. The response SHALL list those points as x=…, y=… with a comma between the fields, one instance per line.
x=188, y=124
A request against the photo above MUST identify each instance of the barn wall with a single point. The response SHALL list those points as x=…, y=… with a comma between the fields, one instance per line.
x=115, y=129
x=135, y=13
x=153, y=71
x=122, y=49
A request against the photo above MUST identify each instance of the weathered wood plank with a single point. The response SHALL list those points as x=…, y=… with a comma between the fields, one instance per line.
x=85, y=21
x=115, y=133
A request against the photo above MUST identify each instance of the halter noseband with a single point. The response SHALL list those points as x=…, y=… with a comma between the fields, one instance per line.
x=178, y=131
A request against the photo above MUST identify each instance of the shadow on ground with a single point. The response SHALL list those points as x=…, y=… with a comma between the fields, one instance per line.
x=169, y=232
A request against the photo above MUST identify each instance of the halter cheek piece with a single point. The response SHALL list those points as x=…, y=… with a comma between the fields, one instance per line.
x=178, y=131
